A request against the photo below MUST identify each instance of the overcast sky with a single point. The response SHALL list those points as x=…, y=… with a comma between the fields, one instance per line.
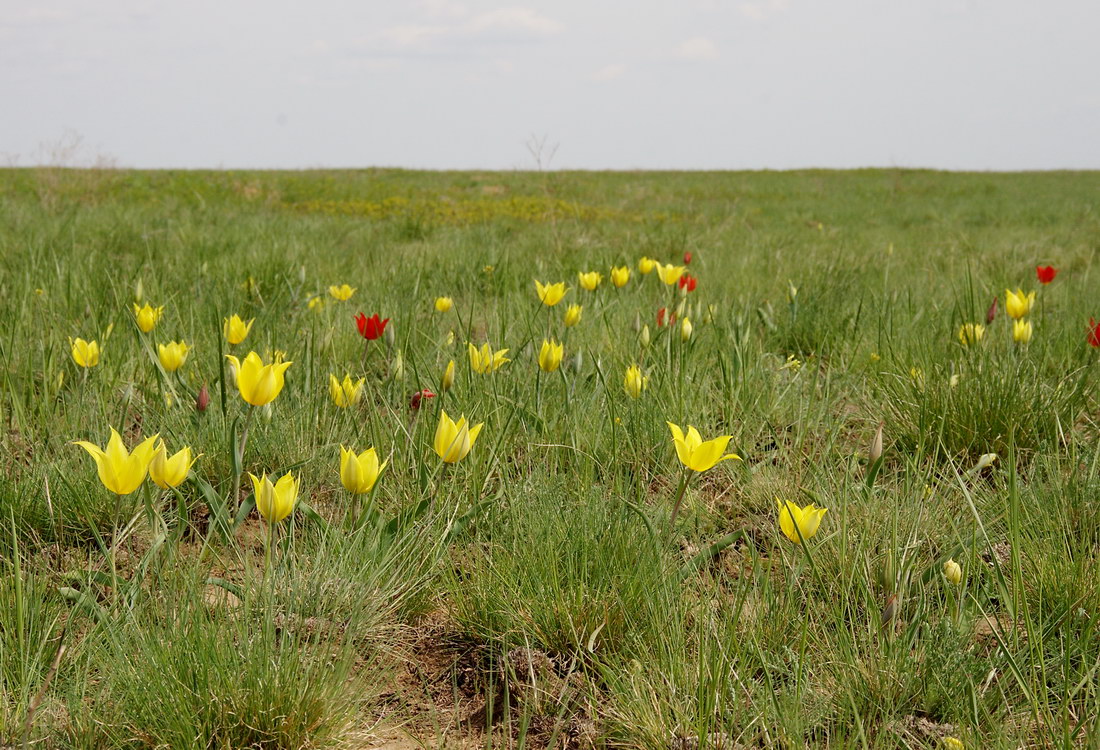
x=696, y=84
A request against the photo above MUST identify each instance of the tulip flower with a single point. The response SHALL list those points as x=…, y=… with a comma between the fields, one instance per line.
x=341, y=293
x=634, y=382
x=316, y=303
x=687, y=258
x=258, y=383
x=971, y=333
x=448, y=379
x=372, y=327
x=1094, y=333
x=274, y=501
x=346, y=393
x=85, y=353
x=792, y=292
x=669, y=274
x=147, y=316
x=953, y=572
x=550, y=355
x=236, y=330
x=1021, y=331
x=646, y=265
x=697, y=455
x=953, y=743
x=687, y=283
x=485, y=360
x=550, y=294
x=799, y=524
x=573, y=315
x=121, y=471
x=444, y=304
x=168, y=472
x=1018, y=304
x=619, y=276
x=417, y=399
x=1045, y=274
x=590, y=280
x=453, y=440
x=358, y=473
x=685, y=329
x=172, y=355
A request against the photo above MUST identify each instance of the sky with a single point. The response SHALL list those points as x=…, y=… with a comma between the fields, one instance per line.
x=476, y=84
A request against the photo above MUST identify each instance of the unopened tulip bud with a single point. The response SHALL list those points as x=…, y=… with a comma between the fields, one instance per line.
x=578, y=361
x=389, y=335
x=139, y=291
x=203, y=399
x=637, y=324
x=399, y=367
x=644, y=337
x=448, y=376
x=876, y=445
x=985, y=461
x=953, y=572
x=301, y=274
x=680, y=308
x=687, y=258
x=266, y=412
x=991, y=313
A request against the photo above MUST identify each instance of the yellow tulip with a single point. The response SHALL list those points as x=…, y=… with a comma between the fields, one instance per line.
x=316, y=303
x=619, y=276
x=85, y=353
x=590, y=280
x=646, y=265
x=236, y=330
x=342, y=293
x=453, y=440
x=485, y=360
x=444, y=304
x=172, y=355
x=550, y=294
x=347, y=393
x=953, y=743
x=634, y=382
x=696, y=454
x=1021, y=331
x=1018, y=304
x=120, y=471
x=573, y=315
x=258, y=383
x=971, y=333
x=358, y=473
x=167, y=472
x=669, y=274
x=448, y=377
x=795, y=521
x=550, y=355
x=147, y=316
x=685, y=329
x=953, y=572
x=275, y=501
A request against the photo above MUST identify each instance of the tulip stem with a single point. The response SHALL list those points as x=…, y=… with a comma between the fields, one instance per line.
x=679, y=499
x=239, y=468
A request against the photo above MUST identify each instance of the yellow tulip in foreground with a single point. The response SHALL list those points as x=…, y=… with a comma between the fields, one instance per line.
x=448, y=379
x=590, y=280
x=795, y=521
x=1018, y=304
x=346, y=393
x=1021, y=331
x=172, y=355
x=550, y=294
x=669, y=274
x=953, y=572
x=121, y=471
x=147, y=316
x=696, y=454
x=971, y=333
x=358, y=473
x=634, y=382
x=167, y=472
x=85, y=353
x=342, y=293
x=444, y=304
x=258, y=383
x=235, y=329
x=646, y=265
x=550, y=355
x=620, y=275
x=453, y=440
x=275, y=501
x=485, y=360
x=573, y=315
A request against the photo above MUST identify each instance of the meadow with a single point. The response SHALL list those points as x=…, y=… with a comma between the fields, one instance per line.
x=569, y=566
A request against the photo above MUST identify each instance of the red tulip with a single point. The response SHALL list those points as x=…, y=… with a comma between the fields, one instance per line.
x=687, y=258
x=688, y=282
x=203, y=399
x=414, y=402
x=661, y=317
x=1046, y=274
x=991, y=313
x=1094, y=333
x=370, y=328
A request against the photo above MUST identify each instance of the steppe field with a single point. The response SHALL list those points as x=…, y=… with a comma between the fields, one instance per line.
x=673, y=461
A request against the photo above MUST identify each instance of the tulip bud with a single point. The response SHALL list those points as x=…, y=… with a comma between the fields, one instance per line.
x=418, y=398
x=685, y=329
x=448, y=376
x=301, y=274
x=139, y=291
x=991, y=313
x=578, y=361
x=266, y=412
x=680, y=308
x=792, y=292
x=203, y=399
x=687, y=258
x=637, y=324
x=644, y=337
x=398, y=367
x=389, y=336
x=876, y=446
x=953, y=572
x=985, y=461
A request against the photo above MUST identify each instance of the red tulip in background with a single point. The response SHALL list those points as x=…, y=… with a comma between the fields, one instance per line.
x=991, y=313
x=1094, y=333
x=1046, y=274
x=661, y=317
x=370, y=328
x=688, y=282
x=418, y=397
x=687, y=258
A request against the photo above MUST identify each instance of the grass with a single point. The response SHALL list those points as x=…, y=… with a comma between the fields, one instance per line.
x=828, y=303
